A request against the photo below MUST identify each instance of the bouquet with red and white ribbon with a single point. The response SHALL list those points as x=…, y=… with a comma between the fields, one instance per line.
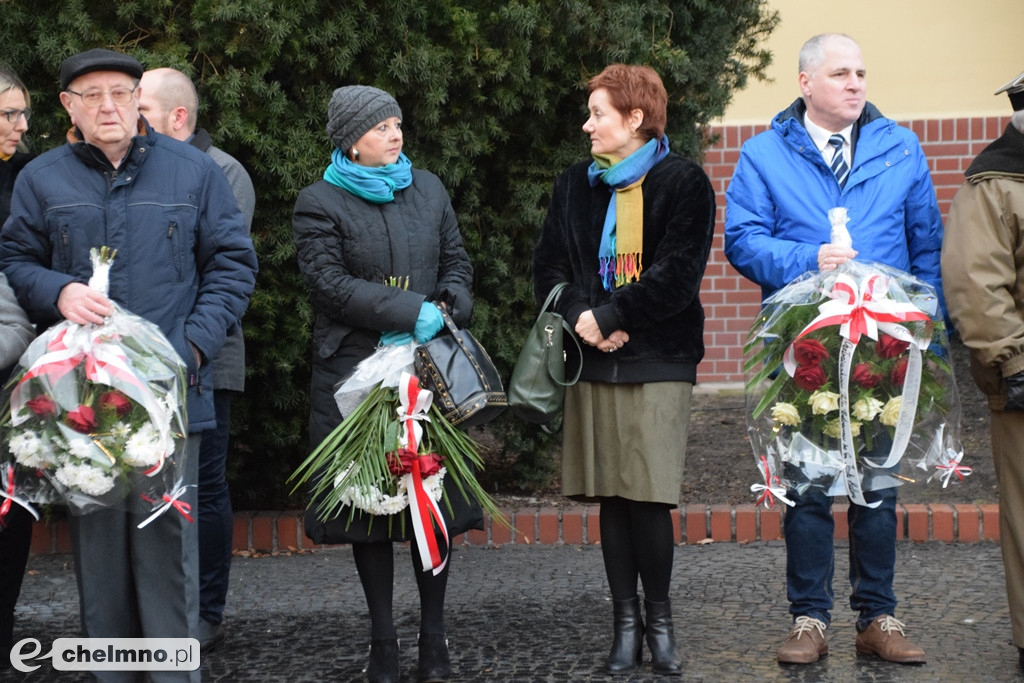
x=849, y=385
x=393, y=451
x=96, y=415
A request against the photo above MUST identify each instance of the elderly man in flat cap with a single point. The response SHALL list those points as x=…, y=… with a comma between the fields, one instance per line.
x=185, y=262
x=983, y=279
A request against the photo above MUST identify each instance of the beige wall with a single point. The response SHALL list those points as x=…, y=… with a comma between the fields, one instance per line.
x=926, y=59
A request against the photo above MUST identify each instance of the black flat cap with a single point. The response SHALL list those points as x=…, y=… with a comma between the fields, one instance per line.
x=97, y=59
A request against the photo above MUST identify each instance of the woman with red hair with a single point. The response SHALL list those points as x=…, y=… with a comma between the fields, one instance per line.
x=630, y=232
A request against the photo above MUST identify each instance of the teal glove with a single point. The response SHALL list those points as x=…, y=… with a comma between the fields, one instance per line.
x=429, y=323
x=395, y=338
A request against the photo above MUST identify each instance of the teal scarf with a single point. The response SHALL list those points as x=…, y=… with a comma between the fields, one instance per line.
x=374, y=184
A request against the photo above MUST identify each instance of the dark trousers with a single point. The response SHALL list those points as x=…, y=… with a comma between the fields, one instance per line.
x=15, y=539
x=216, y=521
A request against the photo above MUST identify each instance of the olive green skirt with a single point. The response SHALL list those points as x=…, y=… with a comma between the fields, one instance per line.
x=626, y=440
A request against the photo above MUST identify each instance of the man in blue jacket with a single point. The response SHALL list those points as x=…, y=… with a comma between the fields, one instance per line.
x=184, y=262
x=832, y=148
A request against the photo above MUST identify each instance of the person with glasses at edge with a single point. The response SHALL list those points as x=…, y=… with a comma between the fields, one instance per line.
x=117, y=183
x=15, y=334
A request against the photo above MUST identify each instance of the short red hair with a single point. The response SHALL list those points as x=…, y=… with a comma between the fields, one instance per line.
x=632, y=87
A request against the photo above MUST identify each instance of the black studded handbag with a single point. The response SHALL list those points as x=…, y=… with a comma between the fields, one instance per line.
x=456, y=368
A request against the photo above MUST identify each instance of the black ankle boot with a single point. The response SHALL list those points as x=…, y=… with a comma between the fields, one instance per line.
x=661, y=639
x=435, y=665
x=383, y=667
x=629, y=631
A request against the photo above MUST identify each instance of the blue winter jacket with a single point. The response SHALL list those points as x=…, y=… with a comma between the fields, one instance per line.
x=776, y=215
x=184, y=261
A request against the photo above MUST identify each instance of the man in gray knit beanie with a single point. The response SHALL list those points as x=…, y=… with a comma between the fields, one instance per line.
x=354, y=110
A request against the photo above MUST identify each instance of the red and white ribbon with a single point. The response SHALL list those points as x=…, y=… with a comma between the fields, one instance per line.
x=953, y=467
x=169, y=501
x=771, y=488
x=414, y=403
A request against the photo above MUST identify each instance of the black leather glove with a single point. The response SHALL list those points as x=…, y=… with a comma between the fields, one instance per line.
x=1015, y=391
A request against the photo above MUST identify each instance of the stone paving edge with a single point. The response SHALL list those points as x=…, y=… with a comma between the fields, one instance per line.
x=281, y=531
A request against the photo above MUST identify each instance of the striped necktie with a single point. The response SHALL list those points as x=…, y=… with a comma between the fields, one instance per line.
x=839, y=167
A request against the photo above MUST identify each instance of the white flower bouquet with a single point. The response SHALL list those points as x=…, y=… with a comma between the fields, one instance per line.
x=96, y=415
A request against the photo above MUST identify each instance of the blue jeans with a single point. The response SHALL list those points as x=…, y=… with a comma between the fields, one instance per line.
x=216, y=521
x=810, y=558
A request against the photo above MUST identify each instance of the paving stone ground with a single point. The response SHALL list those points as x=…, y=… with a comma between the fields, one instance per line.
x=530, y=614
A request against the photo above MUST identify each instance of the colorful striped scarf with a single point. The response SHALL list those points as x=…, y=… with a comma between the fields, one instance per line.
x=622, y=240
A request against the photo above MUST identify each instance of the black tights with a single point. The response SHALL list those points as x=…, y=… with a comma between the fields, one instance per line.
x=636, y=542
x=375, y=563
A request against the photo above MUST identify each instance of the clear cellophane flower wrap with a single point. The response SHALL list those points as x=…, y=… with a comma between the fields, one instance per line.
x=96, y=415
x=849, y=386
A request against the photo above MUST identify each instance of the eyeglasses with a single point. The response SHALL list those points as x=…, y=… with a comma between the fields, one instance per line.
x=94, y=98
x=12, y=115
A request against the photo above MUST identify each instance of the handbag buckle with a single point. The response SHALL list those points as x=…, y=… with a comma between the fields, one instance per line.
x=550, y=331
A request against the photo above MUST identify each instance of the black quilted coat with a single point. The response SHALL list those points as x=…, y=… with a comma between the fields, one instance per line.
x=350, y=252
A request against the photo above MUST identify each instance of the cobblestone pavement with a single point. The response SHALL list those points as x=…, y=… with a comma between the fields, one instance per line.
x=541, y=613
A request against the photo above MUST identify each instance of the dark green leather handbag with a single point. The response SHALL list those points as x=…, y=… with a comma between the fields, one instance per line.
x=536, y=390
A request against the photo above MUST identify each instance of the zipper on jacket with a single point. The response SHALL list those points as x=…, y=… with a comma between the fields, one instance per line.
x=175, y=259
x=65, y=241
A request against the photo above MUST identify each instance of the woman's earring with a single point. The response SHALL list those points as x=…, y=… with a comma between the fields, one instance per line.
x=355, y=153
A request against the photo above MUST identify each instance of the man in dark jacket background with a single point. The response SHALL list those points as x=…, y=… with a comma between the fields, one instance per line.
x=185, y=262
x=169, y=102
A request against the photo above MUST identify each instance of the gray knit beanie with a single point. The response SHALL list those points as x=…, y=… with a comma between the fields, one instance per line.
x=355, y=109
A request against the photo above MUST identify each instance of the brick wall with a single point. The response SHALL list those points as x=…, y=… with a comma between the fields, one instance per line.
x=731, y=301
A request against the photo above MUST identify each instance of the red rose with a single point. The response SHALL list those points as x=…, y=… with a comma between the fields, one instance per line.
x=866, y=376
x=116, y=401
x=43, y=406
x=809, y=352
x=898, y=372
x=81, y=419
x=400, y=462
x=890, y=347
x=810, y=378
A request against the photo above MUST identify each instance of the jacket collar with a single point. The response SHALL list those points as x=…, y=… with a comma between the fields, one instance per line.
x=1003, y=156
x=790, y=121
x=201, y=140
x=93, y=157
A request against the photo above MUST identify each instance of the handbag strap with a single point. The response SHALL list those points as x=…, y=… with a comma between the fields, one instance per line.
x=449, y=323
x=548, y=302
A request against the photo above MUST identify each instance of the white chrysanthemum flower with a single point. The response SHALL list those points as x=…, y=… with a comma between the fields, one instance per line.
x=786, y=413
x=866, y=409
x=144, y=448
x=31, y=450
x=823, y=402
x=891, y=411
x=121, y=431
x=371, y=499
x=81, y=448
x=89, y=480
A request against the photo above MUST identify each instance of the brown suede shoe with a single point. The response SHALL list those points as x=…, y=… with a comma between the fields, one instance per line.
x=885, y=638
x=806, y=642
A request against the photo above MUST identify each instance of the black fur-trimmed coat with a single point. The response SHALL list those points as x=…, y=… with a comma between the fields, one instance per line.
x=661, y=312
